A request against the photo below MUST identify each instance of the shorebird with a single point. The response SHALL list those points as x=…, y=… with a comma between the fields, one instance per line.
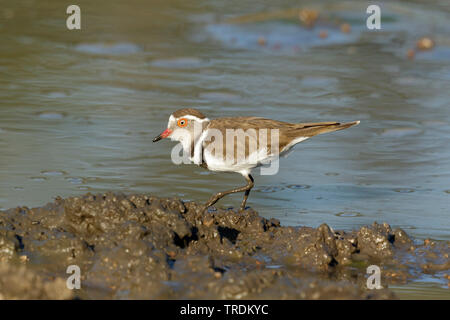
x=203, y=141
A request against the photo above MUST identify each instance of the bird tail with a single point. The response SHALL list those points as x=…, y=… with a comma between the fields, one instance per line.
x=313, y=129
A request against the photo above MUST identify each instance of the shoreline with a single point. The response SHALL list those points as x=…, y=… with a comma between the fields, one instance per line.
x=144, y=247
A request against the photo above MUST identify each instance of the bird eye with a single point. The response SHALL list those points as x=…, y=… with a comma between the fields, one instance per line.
x=182, y=122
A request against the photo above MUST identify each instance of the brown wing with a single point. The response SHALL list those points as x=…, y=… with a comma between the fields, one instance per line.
x=287, y=131
x=311, y=129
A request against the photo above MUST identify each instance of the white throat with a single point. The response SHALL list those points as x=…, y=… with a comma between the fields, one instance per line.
x=187, y=137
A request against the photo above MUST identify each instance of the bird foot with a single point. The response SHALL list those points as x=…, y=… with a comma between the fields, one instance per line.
x=242, y=209
x=207, y=206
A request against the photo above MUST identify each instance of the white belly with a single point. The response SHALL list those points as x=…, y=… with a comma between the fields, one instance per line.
x=241, y=165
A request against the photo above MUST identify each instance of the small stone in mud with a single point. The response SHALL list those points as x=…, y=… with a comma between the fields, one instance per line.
x=410, y=54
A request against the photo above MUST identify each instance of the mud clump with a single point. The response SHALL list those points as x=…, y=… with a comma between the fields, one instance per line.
x=18, y=282
x=144, y=247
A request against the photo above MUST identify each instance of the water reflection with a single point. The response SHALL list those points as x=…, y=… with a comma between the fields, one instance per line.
x=79, y=109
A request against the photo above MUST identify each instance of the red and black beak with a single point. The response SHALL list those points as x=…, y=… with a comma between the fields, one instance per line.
x=163, y=135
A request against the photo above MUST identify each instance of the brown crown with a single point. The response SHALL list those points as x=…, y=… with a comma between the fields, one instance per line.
x=188, y=112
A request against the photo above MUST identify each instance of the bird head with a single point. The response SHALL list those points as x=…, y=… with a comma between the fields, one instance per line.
x=184, y=125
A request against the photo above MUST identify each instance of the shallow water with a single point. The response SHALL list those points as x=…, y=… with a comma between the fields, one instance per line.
x=78, y=109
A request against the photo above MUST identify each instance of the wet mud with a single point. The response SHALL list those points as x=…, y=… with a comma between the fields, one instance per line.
x=145, y=247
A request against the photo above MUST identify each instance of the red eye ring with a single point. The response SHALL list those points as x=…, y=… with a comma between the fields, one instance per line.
x=182, y=122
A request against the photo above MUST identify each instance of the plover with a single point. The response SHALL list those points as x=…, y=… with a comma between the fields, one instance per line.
x=205, y=142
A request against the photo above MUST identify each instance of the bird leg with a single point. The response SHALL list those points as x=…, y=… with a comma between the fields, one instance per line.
x=250, y=185
x=246, y=189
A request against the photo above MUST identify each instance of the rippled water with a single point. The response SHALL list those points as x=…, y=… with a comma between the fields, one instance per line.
x=78, y=109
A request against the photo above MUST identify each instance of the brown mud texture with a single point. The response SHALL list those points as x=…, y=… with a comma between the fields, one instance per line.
x=145, y=247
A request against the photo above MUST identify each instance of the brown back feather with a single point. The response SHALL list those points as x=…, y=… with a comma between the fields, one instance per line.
x=287, y=131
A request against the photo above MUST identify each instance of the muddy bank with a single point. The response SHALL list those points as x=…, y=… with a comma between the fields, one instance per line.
x=145, y=247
